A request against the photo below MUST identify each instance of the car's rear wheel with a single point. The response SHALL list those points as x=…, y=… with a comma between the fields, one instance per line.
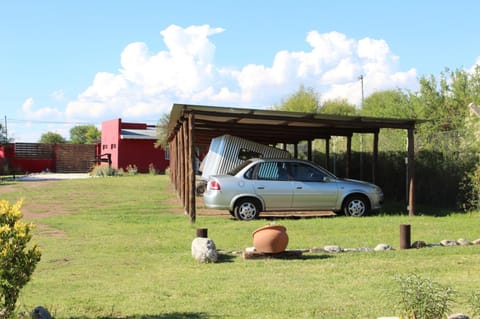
x=247, y=209
x=356, y=206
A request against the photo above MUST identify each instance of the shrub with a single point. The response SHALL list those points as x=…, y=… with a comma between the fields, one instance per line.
x=132, y=169
x=17, y=259
x=151, y=169
x=474, y=301
x=103, y=171
x=423, y=298
x=470, y=187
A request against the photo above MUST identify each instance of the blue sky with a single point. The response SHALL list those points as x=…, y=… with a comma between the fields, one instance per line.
x=65, y=63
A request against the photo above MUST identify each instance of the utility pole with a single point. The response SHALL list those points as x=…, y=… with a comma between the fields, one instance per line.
x=361, y=136
x=6, y=130
x=361, y=83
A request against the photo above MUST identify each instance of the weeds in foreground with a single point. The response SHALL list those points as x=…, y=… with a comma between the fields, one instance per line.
x=422, y=298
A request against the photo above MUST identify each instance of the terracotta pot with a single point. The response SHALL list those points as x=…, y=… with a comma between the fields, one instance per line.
x=270, y=239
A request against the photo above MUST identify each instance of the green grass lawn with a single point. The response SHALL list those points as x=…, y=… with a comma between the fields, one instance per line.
x=120, y=247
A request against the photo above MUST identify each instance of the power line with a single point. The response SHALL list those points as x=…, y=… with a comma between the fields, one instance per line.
x=10, y=120
x=46, y=122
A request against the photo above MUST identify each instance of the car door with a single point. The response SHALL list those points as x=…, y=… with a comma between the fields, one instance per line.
x=312, y=188
x=273, y=185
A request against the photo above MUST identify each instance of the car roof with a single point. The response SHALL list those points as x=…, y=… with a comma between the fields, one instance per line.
x=279, y=160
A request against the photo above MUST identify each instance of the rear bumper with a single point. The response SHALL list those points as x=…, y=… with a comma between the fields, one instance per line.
x=214, y=200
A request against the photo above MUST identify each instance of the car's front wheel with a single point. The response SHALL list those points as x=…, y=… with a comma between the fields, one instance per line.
x=247, y=209
x=356, y=206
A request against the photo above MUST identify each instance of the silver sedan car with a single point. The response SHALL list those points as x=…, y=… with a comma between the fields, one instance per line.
x=285, y=185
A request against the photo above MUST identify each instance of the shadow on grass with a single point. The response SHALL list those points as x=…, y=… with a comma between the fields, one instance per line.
x=172, y=315
x=316, y=256
x=225, y=258
x=391, y=208
x=294, y=217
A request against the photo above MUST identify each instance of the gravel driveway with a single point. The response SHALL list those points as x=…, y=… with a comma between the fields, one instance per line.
x=52, y=176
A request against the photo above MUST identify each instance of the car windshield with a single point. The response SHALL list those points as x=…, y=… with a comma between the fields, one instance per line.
x=237, y=169
x=325, y=171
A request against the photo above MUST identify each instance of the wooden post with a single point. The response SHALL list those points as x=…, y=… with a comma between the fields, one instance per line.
x=185, y=165
x=191, y=168
x=349, y=156
x=181, y=166
x=405, y=237
x=309, y=150
x=411, y=172
x=202, y=232
x=327, y=153
x=186, y=153
x=375, y=156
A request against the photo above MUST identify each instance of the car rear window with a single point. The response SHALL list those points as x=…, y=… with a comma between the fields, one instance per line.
x=237, y=169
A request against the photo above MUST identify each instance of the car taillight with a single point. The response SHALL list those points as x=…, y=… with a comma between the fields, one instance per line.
x=214, y=185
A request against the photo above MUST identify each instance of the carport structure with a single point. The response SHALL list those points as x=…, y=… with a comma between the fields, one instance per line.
x=193, y=125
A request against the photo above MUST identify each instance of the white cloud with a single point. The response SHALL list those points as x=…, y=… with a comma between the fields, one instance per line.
x=58, y=95
x=148, y=83
x=45, y=113
x=475, y=65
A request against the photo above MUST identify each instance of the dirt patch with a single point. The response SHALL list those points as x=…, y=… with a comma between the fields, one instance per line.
x=7, y=187
x=45, y=230
x=29, y=210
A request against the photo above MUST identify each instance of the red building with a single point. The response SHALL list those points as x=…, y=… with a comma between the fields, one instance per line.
x=132, y=144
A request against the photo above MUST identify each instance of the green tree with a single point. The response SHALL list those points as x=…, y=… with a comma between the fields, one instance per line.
x=389, y=104
x=84, y=134
x=446, y=100
x=304, y=100
x=338, y=107
x=52, y=138
x=162, y=131
x=448, y=141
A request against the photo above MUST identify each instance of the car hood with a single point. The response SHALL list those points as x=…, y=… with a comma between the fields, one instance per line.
x=356, y=182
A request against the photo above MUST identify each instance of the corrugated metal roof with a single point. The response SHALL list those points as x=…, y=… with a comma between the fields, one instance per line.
x=134, y=134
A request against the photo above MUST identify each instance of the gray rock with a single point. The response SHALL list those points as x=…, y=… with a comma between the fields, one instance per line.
x=41, y=313
x=204, y=250
x=448, y=242
x=333, y=249
x=458, y=316
x=382, y=247
x=476, y=241
x=463, y=242
x=365, y=249
x=419, y=244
